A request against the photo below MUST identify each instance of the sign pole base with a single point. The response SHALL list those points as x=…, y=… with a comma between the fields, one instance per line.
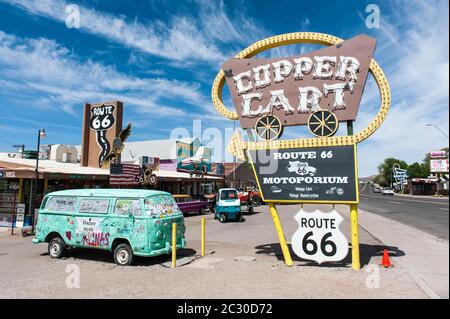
x=356, y=265
x=281, y=238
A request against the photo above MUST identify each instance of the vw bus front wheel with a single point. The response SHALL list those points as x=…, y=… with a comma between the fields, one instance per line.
x=56, y=247
x=123, y=255
x=222, y=218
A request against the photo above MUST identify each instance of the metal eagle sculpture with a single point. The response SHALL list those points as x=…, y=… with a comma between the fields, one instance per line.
x=117, y=147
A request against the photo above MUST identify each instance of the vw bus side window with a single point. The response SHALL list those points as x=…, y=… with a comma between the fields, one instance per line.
x=93, y=205
x=125, y=207
x=61, y=204
x=160, y=204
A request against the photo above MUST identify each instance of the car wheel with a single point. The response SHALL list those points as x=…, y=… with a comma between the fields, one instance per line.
x=255, y=200
x=56, y=247
x=222, y=218
x=250, y=210
x=123, y=255
x=202, y=211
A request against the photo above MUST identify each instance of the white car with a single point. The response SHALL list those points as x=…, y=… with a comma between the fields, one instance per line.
x=387, y=191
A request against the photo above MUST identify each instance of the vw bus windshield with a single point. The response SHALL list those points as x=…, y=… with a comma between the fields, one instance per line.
x=160, y=204
x=228, y=194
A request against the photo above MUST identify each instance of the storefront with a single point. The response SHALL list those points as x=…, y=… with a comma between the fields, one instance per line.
x=17, y=179
x=422, y=186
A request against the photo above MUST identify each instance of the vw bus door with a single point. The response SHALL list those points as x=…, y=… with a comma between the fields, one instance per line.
x=128, y=221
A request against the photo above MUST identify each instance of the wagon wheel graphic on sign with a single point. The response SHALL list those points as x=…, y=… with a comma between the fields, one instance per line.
x=269, y=127
x=323, y=123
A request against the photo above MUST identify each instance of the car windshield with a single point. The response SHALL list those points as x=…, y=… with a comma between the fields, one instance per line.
x=228, y=194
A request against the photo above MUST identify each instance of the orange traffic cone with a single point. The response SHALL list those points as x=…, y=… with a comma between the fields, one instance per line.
x=386, y=262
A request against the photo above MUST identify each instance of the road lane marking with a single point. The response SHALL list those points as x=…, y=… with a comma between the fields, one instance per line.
x=446, y=209
x=409, y=200
x=391, y=201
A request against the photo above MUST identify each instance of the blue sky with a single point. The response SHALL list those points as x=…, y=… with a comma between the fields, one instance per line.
x=161, y=57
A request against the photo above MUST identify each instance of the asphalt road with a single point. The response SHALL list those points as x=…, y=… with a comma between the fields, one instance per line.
x=427, y=214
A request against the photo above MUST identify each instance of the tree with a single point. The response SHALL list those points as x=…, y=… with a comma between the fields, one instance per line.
x=416, y=170
x=385, y=170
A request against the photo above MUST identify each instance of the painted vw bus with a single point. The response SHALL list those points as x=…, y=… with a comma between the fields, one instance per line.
x=128, y=222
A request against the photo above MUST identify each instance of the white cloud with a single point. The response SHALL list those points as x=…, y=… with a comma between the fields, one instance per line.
x=183, y=40
x=413, y=51
x=178, y=40
x=44, y=66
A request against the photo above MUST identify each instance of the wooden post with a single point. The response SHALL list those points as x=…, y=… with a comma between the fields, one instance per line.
x=45, y=186
x=20, y=200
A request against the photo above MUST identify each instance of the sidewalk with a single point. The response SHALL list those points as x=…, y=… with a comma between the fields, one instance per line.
x=424, y=257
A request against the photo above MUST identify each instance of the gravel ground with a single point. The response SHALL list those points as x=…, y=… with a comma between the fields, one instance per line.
x=243, y=260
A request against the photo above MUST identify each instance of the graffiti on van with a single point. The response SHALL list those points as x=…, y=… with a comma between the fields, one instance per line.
x=160, y=204
x=90, y=231
x=95, y=239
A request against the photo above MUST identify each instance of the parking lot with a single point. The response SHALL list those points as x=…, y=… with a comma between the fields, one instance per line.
x=243, y=260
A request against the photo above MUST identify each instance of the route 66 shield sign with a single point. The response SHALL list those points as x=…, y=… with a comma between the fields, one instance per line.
x=318, y=237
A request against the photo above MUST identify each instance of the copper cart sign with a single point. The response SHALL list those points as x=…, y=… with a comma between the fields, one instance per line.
x=320, y=89
x=292, y=88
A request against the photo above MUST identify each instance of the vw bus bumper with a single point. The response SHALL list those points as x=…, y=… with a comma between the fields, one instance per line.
x=166, y=250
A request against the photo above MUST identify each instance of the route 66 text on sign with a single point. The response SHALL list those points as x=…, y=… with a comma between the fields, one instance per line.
x=318, y=237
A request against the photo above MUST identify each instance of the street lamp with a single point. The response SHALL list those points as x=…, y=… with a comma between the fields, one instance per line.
x=432, y=124
x=41, y=133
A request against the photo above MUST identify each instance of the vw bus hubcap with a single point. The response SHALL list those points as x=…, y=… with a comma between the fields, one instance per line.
x=55, y=249
x=122, y=256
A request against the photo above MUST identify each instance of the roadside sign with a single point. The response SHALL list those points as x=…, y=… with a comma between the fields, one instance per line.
x=319, y=89
x=439, y=166
x=20, y=215
x=310, y=174
x=318, y=237
x=400, y=175
x=438, y=154
x=20, y=208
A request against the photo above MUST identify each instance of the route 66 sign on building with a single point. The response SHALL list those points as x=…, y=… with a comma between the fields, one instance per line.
x=102, y=122
x=318, y=237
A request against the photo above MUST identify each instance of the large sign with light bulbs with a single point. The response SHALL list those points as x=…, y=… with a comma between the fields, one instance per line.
x=291, y=88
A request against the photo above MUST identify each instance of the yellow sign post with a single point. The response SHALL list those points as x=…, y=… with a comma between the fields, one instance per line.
x=356, y=264
x=281, y=237
x=174, y=245
x=203, y=237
